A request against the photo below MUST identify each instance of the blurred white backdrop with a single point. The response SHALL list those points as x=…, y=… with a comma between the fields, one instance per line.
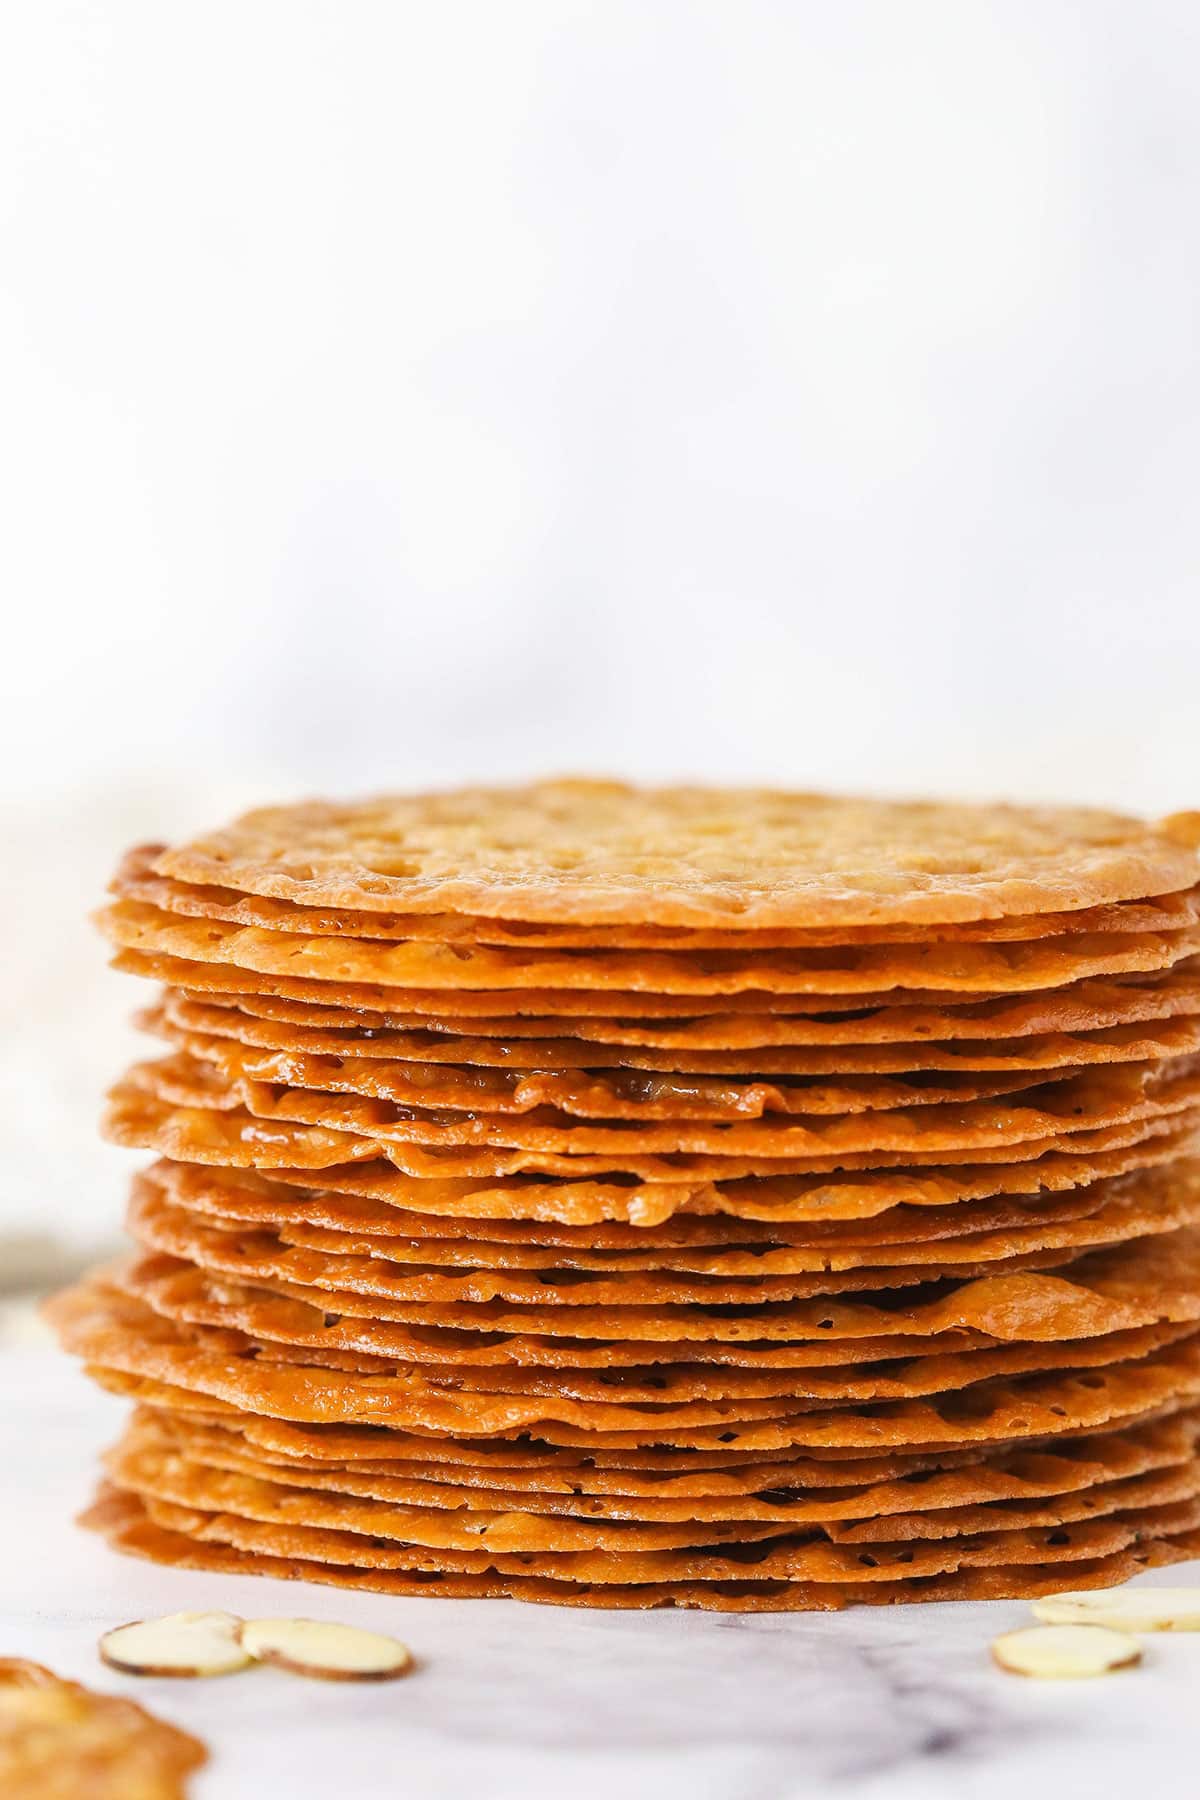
x=405, y=391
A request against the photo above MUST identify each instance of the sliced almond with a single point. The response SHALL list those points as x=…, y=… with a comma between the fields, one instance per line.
x=328, y=1652
x=1125, y=1609
x=1065, y=1652
x=185, y=1643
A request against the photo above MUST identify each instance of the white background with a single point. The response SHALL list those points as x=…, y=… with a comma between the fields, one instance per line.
x=396, y=392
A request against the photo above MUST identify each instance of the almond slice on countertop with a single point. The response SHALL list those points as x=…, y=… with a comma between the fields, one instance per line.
x=328, y=1652
x=1065, y=1652
x=184, y=1643
x=1125, y=1609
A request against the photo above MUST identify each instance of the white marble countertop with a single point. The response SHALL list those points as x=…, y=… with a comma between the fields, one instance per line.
x=533, y=1702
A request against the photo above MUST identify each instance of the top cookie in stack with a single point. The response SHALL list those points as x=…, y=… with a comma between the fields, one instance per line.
x=661, y=1197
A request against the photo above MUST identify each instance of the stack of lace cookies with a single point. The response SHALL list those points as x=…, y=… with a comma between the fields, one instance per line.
x=641, y=1198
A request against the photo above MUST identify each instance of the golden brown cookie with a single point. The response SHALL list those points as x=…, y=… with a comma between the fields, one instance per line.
x=61, y=1741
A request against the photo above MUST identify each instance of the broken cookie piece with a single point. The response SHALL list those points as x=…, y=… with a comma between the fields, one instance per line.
x=60, y=1741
